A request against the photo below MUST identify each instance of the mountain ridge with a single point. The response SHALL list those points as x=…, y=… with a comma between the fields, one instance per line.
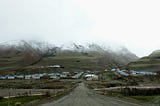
x=20, y=54
x=150, y=62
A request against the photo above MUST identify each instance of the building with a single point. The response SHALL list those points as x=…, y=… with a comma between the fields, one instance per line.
x=10, y=77
x=36, y=76
x=91, y=77
x=20, y=76
x=28, y=77
x=54, y=77
x=3, y=77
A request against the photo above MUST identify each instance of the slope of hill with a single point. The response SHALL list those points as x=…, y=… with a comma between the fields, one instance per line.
x=22, y=55
x=151, y=62
x=15, y=55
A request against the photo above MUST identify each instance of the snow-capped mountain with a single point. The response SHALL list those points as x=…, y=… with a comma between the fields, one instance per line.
x=23, y=53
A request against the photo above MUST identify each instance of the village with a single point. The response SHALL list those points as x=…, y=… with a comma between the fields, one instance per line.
x=51, y=81
x=52, y=75
x=85, y=74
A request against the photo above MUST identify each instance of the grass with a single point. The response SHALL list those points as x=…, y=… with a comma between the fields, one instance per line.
x=35, y=84
x=143, y=98
x=107, y=76
x=150, y=99
x=71, y=62
x=68, y=86
x=139, y=99
x=22, y=100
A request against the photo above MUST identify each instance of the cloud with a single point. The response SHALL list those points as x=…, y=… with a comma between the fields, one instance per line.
x=134, y=24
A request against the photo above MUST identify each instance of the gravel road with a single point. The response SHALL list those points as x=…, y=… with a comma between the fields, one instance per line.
x=82, y=96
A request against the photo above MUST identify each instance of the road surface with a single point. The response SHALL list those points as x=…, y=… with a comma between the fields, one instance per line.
x=82, y=96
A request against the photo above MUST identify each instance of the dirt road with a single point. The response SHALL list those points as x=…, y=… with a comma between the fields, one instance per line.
x=82, y=96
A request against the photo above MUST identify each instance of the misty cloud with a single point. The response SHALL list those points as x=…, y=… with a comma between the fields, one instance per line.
x=134, y=24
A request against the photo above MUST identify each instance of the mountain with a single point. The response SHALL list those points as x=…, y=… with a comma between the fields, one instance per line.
x=89, y=56
x=19, y=55
x=15, y=55
x=151, y=62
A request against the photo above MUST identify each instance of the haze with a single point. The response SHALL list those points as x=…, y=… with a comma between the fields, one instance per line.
x=134, y=24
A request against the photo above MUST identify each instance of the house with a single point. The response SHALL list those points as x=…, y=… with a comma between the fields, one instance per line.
x=91, y=77
x=78, y=75
x=122, y=72
x=36, y=76
x=20, y=76
x=54, y=77
x=10, y=77
x=63, y=75
x=141, y=73
x=28, y=77
x=51, y=74
x=55, y=66
x=113, y=70
x=3, y=77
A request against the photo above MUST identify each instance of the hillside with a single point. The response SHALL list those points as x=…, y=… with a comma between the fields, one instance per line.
x=151, y=62
x=25, y=55
x=17, y=55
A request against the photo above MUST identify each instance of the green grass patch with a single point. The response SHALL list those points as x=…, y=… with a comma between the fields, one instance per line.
x=143, y=98
x=22, y=100
x=107, y=75
x=152, y=99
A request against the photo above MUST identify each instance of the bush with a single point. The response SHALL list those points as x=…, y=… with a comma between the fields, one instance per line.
x=18, y=104
x=47, y=94
x=1, y=97
x=144, y=92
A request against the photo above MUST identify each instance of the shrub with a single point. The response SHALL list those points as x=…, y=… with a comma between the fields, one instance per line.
x=18, y=104
x=47, y=94
x=1, y=97
x=144, y=92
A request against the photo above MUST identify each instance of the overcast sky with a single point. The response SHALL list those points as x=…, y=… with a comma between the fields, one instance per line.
x=134, y=24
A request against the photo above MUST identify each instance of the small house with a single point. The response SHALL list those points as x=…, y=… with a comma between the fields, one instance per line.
x=20, y=76
x=90, y=77
x=36, y=76
x=11, y=77
x=28, y=77
x=3, y=77
x=54, y=77
x=56, y=66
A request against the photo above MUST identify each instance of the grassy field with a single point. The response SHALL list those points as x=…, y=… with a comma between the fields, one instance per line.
x=109, y=79
x=152, y=100
x=35, y=84
x=150, y=62
x=19, y=100
x=107, y=76
x=52, y=90
x=11, y=66
x=79, y=62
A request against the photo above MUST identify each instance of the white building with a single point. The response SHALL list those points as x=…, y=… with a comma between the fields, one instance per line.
x=20, y=76
x=11, y=77
x=90, y=77
x=36, y=76
x=28, y=77
x=3, y=77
